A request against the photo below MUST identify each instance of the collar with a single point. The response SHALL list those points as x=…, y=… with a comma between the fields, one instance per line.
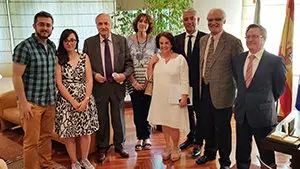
x=109, y=38
x=38, y=42
x=257, y=55
x=217, y=36
x=193, y=34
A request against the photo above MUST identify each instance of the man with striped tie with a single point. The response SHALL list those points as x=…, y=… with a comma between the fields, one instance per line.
x=260, y=79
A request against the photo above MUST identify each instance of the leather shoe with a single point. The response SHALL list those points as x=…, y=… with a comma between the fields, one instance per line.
x=196, y=151
x=123, y=153
x=101, y=157
x=224, y=167
x=203, y=159
x=186, y=144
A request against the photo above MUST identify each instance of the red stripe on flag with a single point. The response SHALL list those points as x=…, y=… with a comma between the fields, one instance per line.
x=286, y=102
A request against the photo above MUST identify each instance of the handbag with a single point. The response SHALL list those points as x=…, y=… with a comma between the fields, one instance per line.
x=149, y=87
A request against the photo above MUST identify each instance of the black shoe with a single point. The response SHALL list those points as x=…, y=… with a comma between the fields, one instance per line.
x=123, y=153
x=203, y=159
x=224, y=167
x=196, y=151
x=186, y=144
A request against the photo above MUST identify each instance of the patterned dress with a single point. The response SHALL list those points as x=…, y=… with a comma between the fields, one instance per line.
x=69, y=122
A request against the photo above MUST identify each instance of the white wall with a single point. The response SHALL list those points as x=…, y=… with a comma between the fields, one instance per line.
x=232, y=8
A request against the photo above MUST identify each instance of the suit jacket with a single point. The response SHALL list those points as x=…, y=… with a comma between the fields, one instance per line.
x=122, y=64
x=257, y=102
x=193, y=62
x=221, y=84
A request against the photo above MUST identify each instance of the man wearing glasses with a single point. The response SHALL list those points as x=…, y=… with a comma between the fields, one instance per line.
x=217, y=88
x=260, y=78
x=35, y=87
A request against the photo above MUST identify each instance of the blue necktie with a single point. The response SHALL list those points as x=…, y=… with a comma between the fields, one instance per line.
x=108, y=65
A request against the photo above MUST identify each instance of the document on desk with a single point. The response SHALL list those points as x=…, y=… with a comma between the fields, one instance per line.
x=175, y=94
x=278, y=135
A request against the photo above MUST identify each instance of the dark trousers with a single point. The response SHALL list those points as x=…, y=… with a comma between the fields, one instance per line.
x=140, y=104
x=244, y=134
x=117, y=119
x=195, y=127
x=216, y=127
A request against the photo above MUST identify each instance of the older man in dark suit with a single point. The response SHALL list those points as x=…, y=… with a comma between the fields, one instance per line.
x=217, y=88
x=260, y=78
x=187, y=44
x=111, y=64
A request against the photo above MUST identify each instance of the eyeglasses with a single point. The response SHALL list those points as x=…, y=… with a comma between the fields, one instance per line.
x=253, y=36
x=42, y=24
x=70, y=41
x=214, y=19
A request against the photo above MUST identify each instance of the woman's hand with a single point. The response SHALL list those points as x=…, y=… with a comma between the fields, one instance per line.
x=138, y=86
x=153, y=60
x=83, y=104
x=183, y=101
x=75, y=104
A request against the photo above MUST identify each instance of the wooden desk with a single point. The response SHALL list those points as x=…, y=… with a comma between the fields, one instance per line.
x=287, y=148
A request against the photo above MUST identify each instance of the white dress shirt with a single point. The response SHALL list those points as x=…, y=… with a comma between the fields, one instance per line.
x=193, y=39
x=255, y=62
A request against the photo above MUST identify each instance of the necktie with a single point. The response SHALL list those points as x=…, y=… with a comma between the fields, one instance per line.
x=108, y=65
x=189, y=47
x=249, y=75
x=208, y=60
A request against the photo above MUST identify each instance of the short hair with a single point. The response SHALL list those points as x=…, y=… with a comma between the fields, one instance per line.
x=103, y=14
x=61, y=52
x=167, y=35
x=148, y=18
x=42, y=14
x=190, y=10
x=218, y=9
x=263, y=30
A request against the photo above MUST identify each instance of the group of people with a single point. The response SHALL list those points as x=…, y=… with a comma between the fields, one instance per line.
x=75, y=90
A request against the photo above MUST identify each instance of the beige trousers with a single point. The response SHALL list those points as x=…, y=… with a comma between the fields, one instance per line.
x=37, y=146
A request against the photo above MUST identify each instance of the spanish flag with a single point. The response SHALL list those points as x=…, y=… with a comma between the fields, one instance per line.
x=285, y=51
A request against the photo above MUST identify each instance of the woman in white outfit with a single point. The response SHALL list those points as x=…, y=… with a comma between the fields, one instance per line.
x=169, y=69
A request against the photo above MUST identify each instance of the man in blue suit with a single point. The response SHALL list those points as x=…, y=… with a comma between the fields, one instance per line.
x=260, y=78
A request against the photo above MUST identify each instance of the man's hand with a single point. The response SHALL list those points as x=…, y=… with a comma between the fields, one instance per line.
x=99, y=78
x=25, y=110
x=119, y=77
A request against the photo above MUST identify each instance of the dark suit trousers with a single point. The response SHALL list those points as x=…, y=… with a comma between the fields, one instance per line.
x=191, y=135
x=198, y=135
x=244, y=144
x=215, y=124
x=140, y=104
x=117, y=119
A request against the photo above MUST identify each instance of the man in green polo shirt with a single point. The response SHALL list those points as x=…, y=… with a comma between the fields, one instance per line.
x=34, y=83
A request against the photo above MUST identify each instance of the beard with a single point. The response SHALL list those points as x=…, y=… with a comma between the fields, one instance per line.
x=43, y=34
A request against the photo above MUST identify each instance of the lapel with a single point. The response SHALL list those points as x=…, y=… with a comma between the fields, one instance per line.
x=196, y=44
x=97, y=57
x=259, y=69
x=181, y=42
x=202, y=49
x=116, y=46
x=219, y=48
x=241, y=67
